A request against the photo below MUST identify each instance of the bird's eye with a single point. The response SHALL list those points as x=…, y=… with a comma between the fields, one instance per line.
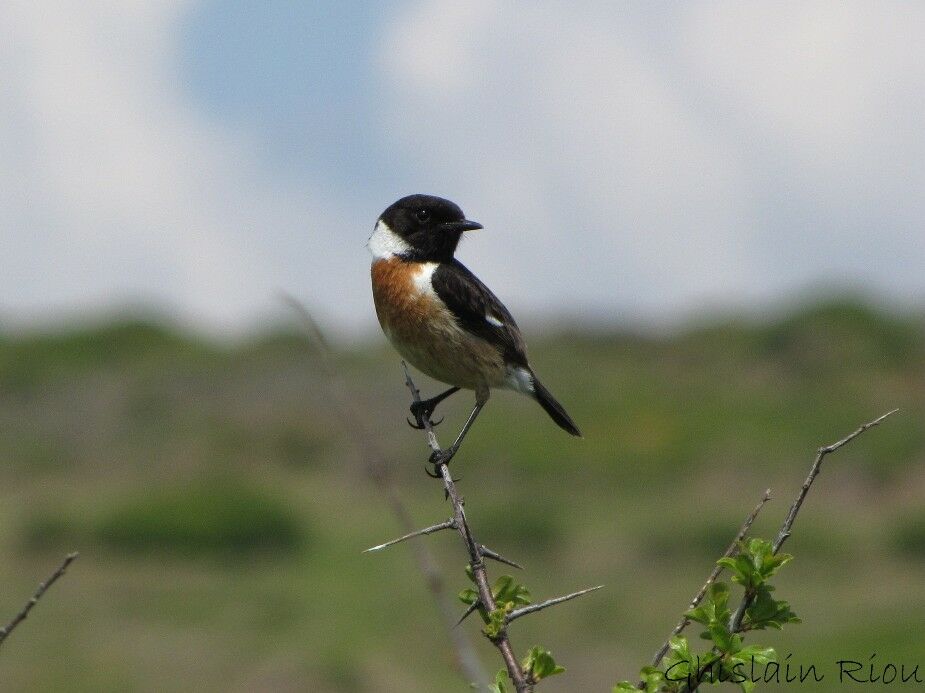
x=422, y=215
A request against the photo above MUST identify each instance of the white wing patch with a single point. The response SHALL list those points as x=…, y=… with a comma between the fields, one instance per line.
x=519, y=379
x=492, y=320
x=385, y=243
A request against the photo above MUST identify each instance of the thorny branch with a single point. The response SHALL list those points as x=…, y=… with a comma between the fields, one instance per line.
x=449, y=524
x=374, y=460
x=695, y=602
x=486, y=598
x=533, y=608
x=42, y=588
x=523, y=681
x=735, y=621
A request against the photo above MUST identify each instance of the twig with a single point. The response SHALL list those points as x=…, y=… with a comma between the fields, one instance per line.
x=43, y=587
x=495, y=556
x=411, y=535
x=374, y=460
x=731, y=551
x=814, y=470
x=735, y=621
x=501, y=640
x=533, y=608
x=469, y=611
x=449, y=524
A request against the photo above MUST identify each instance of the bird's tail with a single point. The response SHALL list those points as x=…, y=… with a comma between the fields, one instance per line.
x=555, y=410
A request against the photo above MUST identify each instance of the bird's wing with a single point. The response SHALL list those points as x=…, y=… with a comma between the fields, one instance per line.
x=478, y=310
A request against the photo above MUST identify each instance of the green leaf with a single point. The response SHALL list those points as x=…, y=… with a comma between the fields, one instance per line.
x=468, y=596
x=679, y=661
x=679, y=647
x=721, y=637
x=653, y=678
x=625, y=687
x=500, y=684
x=539, y=664
x=742, y=569
x=508, y=593
x=494, y=623
x=767, y=612
x=714, y=607
x=761, y=655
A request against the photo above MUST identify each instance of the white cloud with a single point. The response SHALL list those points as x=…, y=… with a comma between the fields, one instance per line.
x=113, y=188
x=632, y=160
x=655, y=159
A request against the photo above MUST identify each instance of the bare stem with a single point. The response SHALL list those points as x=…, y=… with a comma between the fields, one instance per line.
x=411, y=535
x=369, y=452
x=533, y=608
x=473, y=548
x=784, y=533
x=42, y=588
x=735, y=621
x=495, y=556
x=731, y=551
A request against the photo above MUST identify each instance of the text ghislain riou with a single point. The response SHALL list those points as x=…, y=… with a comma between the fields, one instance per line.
x=874, y=670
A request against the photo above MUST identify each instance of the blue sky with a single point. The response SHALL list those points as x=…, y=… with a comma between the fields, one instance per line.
x=632, y=162
x=299, y=76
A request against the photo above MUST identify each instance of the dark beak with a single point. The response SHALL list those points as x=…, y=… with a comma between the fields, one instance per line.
x=464, y=225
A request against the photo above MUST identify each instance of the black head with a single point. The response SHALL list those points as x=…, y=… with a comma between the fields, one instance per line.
x=430, y=226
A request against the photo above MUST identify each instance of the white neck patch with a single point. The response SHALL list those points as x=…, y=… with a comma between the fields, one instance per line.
x=423, y=279
x=385, y=243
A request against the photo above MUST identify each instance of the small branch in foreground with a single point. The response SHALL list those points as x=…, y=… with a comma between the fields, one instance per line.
x=353, y=421
x=515, y=671
x=731, y=551
x=539, y=663
x=42, y=588
x=451, y=523
x=533, y=608
x=495, y=556
x=735, y=621
x=814, y=470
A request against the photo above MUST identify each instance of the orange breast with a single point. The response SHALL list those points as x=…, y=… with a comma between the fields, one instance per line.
x=400, y=305
x=426, y=333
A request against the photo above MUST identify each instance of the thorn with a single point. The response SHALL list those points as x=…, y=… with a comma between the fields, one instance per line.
x=449, y=524
x=472, y=607
x=494, y=555
x=533, y=608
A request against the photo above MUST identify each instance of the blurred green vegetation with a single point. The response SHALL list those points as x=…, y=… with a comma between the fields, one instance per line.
x=214, y=517
x=220, y=509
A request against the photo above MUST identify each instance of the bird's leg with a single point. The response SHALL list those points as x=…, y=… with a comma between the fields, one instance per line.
x=426, y=408
x=445, y=455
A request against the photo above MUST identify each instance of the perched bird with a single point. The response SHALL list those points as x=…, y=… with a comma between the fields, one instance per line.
x=441, y=318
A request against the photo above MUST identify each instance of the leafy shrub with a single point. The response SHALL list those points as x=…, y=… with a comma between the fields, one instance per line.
x=204, y=518
x=909, y=536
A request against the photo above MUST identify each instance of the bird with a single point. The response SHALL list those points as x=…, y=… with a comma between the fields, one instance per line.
x=441, y=318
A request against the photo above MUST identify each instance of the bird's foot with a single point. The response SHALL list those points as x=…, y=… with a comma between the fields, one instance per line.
x=421, y=411
x=439, y=457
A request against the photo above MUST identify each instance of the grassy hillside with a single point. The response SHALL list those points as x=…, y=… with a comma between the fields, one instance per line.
x=220, y=510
